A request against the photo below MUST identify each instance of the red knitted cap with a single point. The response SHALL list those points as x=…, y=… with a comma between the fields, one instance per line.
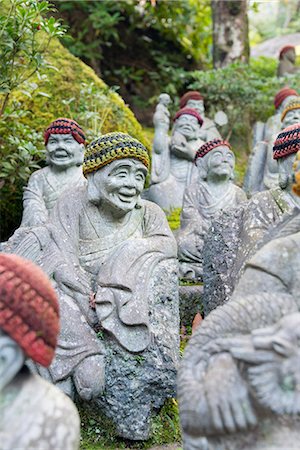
x=65, y=126
x=285, y=49
x=191, y=112
x=282, y=95
x=190, y=95
x=28, y=308
x=209, y=146
x=287, y=142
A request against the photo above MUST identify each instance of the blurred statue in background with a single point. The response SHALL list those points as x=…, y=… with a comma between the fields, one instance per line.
x=176, y=172
x=287, y=60
x=160, y=163
x=263, y=170
x=210, y=193
x=33, y=413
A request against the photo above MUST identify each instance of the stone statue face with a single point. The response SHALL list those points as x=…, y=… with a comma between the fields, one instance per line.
x=220, y=162
x=198, y=105
x=187, y=125
x=118, y=185
x=64, y=151
x=290, y=55
x=291, y=118
x=164, y=99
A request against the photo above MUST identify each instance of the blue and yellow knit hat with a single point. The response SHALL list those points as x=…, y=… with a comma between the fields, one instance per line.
x=112, y=146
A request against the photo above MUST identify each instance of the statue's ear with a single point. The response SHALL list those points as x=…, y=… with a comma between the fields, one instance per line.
x=12, y=359
x=92, y=191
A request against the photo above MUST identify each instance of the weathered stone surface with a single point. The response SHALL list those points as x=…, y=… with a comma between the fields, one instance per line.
x=190, y=303
x=138, y=384
x=112, y=259
x=239, y=379
x=208, y=195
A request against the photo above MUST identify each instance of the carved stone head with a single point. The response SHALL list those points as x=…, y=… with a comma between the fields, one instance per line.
x=64, y=140
x=291, y=113
x=288, y=53
x=194, y=100
x=215, y=161
x=188, y=122
x=116, y=166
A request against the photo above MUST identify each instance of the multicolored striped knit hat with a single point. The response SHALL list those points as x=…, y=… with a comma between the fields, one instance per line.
x=65, y=126
x=287, y=142
x=112, y=146
x=28, y=308
x=209, y=146
x=190, y=95
x=282, y=95
x=285, y=49
x=296, y=170
x=191, y=112
x=293, y=104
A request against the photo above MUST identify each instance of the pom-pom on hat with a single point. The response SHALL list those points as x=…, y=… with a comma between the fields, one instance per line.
x=282, y=95
x=285, y=49
x=190, y=95
x=65, y=126
x=209, y=146
x=191, y=112
x=293, y=104
x=287, y=142
x=110, y=147
x=28, y=308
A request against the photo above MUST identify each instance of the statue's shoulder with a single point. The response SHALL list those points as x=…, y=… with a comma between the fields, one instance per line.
x=151, y=208
x=40, y=173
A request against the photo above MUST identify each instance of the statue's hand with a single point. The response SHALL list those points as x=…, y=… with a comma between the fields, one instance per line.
x=227, y=397
x=69, y=280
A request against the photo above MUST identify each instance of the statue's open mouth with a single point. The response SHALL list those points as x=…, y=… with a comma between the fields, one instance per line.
x=62, y=154
x=127, y=197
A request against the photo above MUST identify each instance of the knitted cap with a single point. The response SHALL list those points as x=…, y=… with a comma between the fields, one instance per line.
x=28, y=308
x=191, y=112
x=293, y=104
x=282, y=95
x=65, y=126
x=110, y=147
x=209, y=146
x=287, y=142
x=190, y=95
x=285, y=49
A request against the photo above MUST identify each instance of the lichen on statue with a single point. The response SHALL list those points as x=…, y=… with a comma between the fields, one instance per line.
x=64, y=141
x=31, y=410
x=104, y=244
x=210, y=193
x=239, y=379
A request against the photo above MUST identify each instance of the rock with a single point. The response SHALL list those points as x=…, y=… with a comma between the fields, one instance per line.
x=190, y=302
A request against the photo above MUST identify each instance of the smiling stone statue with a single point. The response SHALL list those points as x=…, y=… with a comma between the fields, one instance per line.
x=210, y=194
x=64, y=140
x=112, y=258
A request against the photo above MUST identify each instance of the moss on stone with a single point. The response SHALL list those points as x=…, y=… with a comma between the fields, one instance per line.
x=71, y=88
x=174, y=218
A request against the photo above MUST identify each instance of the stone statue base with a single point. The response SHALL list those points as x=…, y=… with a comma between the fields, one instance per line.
x=138, y=384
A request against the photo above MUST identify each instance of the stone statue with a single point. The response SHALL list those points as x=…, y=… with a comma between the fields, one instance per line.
x=236, y=235
x=239, y=379
x=287, y=60
x=185, y=141
x=193, y=99
x=212, y=192
x=264, y=133
x=160, y=151
x=33, y=413
x=263, y=170
x=112, y=258
x=64, y=140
